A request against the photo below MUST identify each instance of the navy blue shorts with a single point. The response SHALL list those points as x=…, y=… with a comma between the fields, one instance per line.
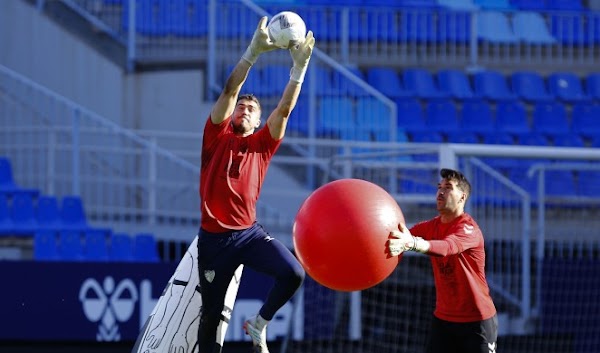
x=468, y=337
x=220, y=254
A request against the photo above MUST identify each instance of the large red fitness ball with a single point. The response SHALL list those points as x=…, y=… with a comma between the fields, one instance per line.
x=340, y=234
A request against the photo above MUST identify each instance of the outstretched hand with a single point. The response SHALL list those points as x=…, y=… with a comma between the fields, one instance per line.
x=400, y=241
x=261, y=43
x=301, y=56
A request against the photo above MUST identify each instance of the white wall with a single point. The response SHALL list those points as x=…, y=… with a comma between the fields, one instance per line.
x=36, y=47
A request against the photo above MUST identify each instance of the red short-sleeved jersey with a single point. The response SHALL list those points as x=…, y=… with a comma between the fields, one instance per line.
x=232, y=172
x=458, y=259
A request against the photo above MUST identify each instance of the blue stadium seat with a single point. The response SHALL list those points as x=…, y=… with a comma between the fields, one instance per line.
x=47, y=213
x=277, y=76
x=494, y=4
x=454, y=26
x=256, y=85
x=532, y=138
x=8, y=185
x=530, y=86
x=121, y=247
x=567, y=86
x=335, y=114
x=592, y=84
x=564, y=5
x=441, y=116
x=411, y=117
x=145, y=248
x=462, y=137
x=550, y=118
x=560, y=183
x=96, y=245
x=467, y=5
x=428, y=137
x=568, y=28
x=345, y=85
x=585, y=119
x=531, y=5
x=373, y=116
x=530, y=27
x=511, y=117
x=421, y=82
x=45, y=246
x=568, y=140
x=417, y=26
x=455, y=83
x=148, y=18
x=477, y=117
x=388, y=82
x=70, y=245
x=494, y=27
x=186, y=18
x=493, y=85
x=72, y=214
x=6, y=225
x=420, y=4
x=498, y=138
x=22, y=214
x=323, y=84
x=298, y=122
x=587, y=183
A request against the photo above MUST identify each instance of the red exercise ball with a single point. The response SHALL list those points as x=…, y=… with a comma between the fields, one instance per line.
x=340, y=234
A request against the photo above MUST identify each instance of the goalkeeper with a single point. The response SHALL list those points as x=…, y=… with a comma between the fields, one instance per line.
x=234, y=163
x=465, y=317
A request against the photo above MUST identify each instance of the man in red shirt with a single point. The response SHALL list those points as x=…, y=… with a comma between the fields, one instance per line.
x=465, y=319
x=234, y=163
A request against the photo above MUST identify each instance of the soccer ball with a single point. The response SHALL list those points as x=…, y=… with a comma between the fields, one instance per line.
x=287, y=29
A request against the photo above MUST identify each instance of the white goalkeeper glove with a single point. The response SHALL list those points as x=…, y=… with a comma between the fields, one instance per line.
x=261, y=43
x=402, y=241
x=301, y=56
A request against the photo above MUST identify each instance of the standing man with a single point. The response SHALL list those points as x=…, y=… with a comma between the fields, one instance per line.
x=234, y=163
x=464, y=320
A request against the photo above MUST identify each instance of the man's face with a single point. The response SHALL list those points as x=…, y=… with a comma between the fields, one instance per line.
x=246, y=117
x=449, y=197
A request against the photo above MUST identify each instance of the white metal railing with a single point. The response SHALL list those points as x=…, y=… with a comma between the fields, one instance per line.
x=126, y=180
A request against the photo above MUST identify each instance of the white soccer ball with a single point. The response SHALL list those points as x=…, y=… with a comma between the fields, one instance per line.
x=287, y=29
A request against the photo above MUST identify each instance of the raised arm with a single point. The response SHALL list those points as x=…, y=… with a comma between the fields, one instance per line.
x=277, y=121
x=225, y=104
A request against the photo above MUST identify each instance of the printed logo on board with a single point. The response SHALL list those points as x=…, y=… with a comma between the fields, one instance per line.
x=108, y=304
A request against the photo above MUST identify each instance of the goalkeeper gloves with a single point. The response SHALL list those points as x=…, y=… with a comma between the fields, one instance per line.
x=301, y=56
x=402, y=241
x=261, y=43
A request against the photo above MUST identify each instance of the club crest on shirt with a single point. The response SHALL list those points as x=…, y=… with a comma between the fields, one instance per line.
x=209, y=275
x=468, y=229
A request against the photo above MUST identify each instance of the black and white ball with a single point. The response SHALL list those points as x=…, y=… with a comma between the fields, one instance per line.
x=286, y=29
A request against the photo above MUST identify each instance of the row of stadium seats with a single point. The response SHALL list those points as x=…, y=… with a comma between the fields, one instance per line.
x=442, y=120
x=489, y=84
x=60, y=229
x=94, y=245
x=413, y=21
x=558, y=183
x=568, y=5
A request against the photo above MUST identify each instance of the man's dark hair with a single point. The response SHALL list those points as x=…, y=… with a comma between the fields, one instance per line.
x=461, y=181
x=249, y=97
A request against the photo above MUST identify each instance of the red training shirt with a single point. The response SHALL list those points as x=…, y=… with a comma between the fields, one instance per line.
x=458, y=259
x=232, y=172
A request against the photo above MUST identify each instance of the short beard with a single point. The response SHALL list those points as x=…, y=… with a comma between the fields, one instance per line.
x=239, y=129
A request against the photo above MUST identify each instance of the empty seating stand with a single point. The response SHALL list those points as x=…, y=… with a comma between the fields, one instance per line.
x=8, y=185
